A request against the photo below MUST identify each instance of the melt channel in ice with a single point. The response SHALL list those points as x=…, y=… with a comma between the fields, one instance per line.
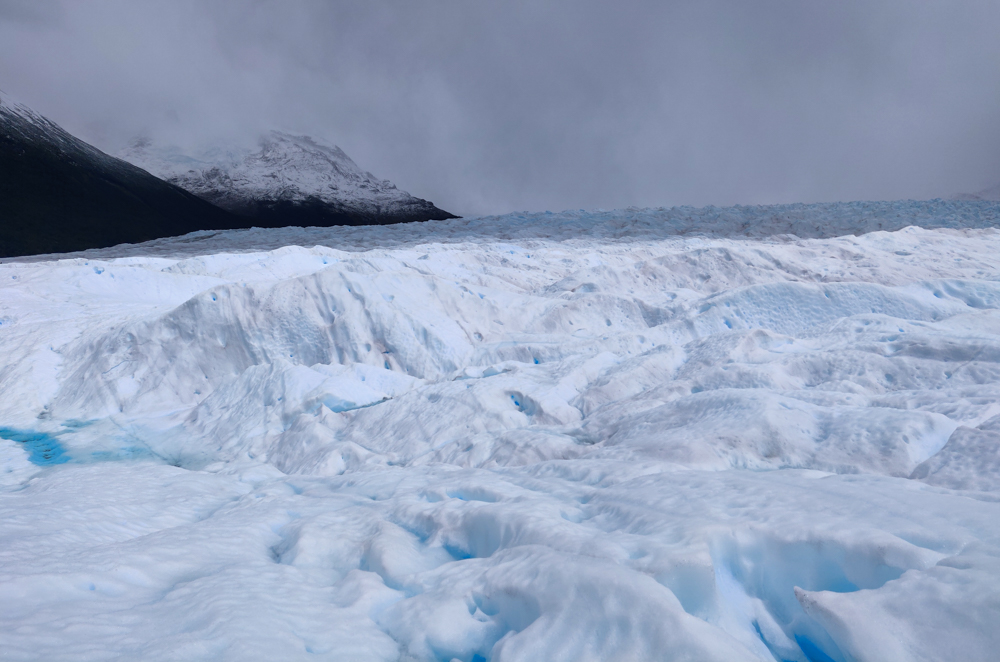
x=743, y=434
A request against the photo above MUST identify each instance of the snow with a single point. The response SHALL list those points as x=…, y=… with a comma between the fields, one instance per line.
x=281, y=167
x=718, y=434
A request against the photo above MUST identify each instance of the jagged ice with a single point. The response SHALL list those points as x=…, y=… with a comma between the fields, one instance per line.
x=635, y=435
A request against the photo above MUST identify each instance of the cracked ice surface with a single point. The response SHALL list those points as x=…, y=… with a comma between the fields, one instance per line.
x=559, y=443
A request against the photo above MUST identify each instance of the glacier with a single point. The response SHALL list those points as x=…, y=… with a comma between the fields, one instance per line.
x=750, y=433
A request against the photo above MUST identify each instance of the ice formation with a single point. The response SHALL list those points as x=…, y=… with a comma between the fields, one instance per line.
x=741, y=434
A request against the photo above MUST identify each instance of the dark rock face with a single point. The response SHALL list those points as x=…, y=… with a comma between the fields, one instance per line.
x=314, y=212
x=59, y=194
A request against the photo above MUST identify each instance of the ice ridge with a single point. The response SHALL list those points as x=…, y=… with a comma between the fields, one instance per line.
x=631, y=435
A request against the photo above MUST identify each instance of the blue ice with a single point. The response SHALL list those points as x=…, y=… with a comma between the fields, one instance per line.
x=43, y=448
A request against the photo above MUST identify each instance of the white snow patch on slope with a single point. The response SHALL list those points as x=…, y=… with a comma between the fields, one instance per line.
x=573, y=445
x=282, y=167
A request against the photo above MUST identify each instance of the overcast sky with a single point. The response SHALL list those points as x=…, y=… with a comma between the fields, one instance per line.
x=494, y=107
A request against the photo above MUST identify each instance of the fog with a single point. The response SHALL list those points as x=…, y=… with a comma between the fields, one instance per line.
x=495, y=107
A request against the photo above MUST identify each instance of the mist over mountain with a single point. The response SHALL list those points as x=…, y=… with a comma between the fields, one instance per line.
x=990, y=194
x=286, y=180
x=58, y=193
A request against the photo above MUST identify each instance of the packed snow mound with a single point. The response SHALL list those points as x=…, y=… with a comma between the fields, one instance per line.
x=285, y=175
x=593, y=438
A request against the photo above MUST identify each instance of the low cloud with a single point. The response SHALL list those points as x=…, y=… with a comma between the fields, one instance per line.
x=545, y=105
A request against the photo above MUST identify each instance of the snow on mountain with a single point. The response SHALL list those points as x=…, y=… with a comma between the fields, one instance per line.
x=20, y=118
x=583, y=436
x=288, y=177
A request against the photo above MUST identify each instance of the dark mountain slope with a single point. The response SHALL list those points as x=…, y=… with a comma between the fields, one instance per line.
x=58, y=194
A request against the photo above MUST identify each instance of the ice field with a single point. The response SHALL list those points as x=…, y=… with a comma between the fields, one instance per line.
x=767, y=433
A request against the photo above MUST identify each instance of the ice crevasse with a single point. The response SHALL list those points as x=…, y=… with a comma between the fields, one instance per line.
x=635, y=435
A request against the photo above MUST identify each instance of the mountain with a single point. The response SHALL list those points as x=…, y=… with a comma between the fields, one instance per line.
x=286, y=180
x=58, y=194
x=992, y=194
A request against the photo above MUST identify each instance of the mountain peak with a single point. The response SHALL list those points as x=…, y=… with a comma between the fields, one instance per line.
x=287, y=180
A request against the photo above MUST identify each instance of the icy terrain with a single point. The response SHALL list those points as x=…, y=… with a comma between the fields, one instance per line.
x=635, y=435
x=283, y=170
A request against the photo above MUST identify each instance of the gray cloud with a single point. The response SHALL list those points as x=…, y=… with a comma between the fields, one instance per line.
x=491, y=107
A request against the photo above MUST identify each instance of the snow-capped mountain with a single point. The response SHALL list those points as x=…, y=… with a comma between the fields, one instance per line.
x=57, y=193
x=286, y=180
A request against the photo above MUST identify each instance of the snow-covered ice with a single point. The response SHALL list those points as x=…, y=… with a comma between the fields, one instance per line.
x=722, y=434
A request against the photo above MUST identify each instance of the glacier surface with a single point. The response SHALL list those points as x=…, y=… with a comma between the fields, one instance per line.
x=767, y=433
